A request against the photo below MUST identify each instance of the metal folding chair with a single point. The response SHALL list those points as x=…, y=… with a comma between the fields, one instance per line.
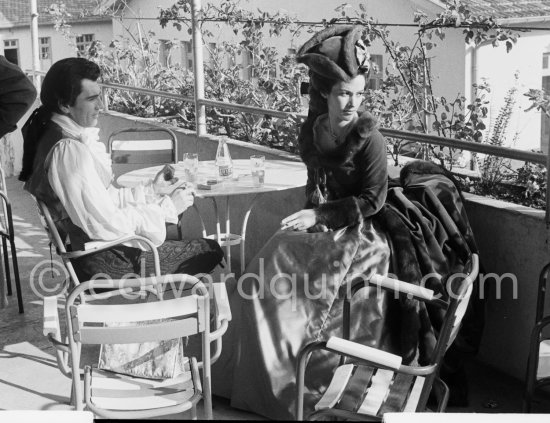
x=136, y=148
x=113, y=395
x=538, y=363
x=7, y=234
x=61, y=341
x=376, y=382
x=51, y=321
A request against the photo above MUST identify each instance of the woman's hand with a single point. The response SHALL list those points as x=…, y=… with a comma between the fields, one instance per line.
x=166, y=176
x=183, y=198
x=300, y=221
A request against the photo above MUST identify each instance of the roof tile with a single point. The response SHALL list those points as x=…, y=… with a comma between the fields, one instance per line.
x=502, y=9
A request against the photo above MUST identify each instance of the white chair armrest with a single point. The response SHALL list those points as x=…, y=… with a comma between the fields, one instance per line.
x=364, y=352
x=104, y=245
x=95, y=246
x=403, y=287
x=51, y=318
x=223, y=311
x=221, y=301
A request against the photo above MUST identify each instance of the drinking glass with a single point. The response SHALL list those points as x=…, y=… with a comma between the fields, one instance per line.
x=149, y=192
x=257, y=168
x=191, y=166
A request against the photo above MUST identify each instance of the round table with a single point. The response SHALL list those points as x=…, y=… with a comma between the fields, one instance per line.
x=279, y=175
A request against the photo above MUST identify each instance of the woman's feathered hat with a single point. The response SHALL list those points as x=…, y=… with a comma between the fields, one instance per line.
x=336, y=52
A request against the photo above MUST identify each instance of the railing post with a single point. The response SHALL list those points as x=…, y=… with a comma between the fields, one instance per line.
x=34, y=42
x=200, y=112
x=105, y=99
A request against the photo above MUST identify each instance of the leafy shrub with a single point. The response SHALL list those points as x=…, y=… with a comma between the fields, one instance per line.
x=405, y=100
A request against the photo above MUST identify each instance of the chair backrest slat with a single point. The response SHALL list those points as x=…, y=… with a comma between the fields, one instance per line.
x=129, y=159
x=127, y=313
x=137, y=334
x=377, y=392
x=414, y=396
x=136, y=322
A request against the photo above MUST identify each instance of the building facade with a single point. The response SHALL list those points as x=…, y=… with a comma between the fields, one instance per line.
x=16, y=46
x=15, y=34
x=455, y=65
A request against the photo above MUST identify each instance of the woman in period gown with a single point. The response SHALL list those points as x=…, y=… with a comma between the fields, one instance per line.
x=292, y=292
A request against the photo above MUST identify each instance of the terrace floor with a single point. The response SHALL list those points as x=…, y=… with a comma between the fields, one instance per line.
x=30, y=380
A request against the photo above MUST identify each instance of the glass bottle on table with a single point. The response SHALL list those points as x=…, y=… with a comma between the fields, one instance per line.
x=224, y=164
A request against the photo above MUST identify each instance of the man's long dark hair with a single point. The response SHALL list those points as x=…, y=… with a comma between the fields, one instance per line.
x=61, y=86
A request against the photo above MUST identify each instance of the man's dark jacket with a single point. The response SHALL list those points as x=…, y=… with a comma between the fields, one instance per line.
x=17, y=93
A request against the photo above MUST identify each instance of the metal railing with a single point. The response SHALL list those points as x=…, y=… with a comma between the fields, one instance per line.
x=474, y=147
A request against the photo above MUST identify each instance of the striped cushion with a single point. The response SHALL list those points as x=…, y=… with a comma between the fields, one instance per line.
x=112, y=391
x=142, y=151
x=370, y=391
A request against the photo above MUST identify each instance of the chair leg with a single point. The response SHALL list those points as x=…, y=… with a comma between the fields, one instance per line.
x=531, y=372
x=194, y=412
x=6, y=265
x=72, y=398
x=207, y=401
x=529, y=383
x=16, y=275
x=3, y=298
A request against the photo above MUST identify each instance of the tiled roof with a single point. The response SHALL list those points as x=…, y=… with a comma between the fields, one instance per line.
x=18, y=12
x=506, y=9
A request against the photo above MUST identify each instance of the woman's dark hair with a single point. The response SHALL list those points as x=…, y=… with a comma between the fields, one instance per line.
x=60, y=87
x=319, y=86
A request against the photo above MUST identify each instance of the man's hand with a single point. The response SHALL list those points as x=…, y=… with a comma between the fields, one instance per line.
x=165, y=177
x=183, y=198
x=300, y=221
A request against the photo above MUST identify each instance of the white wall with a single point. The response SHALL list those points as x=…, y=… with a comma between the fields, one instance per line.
x=448, y=59
x=60, y=47
x=452, y=67
x=499, y=68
